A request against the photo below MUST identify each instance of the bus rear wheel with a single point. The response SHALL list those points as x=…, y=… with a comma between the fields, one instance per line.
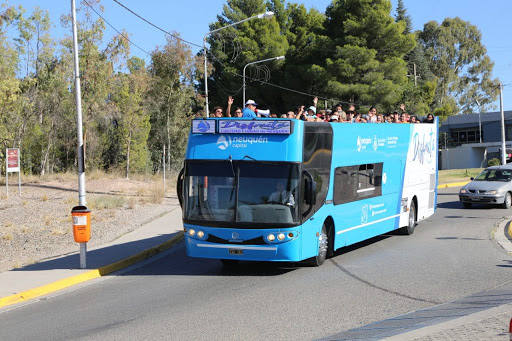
x=323, y=246
x=411, y=222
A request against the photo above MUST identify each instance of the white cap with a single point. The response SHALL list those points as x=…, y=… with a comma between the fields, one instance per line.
x=251, y=102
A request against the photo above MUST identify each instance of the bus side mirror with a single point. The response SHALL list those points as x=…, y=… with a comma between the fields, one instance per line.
x=179, y=186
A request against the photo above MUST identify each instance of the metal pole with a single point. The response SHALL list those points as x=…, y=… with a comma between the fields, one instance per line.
x=480, y=126
x=243, y=86
x=256, y=62
x=19, y=175
x=503, y=145
x=205, y=78
x=479, y=119
x=164, y=169
x=6, y=173
x=81, y=165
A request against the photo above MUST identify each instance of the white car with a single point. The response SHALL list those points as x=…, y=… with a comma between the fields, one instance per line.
x=492, y=186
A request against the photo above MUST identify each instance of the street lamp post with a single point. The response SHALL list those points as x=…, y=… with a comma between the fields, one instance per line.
x=256, y=62
x=266, y=15
x=479, y=119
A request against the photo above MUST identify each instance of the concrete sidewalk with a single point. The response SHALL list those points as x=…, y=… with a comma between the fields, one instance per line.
x=19, y=285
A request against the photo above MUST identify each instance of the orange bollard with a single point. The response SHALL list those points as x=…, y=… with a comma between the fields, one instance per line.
x=81, y=224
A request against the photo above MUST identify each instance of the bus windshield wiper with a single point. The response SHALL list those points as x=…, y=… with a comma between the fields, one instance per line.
x=247, y=156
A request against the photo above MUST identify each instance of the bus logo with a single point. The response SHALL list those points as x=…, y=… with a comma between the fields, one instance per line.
x=235, y=235
x=223, y=143
x=203, y=127
x=364, y=214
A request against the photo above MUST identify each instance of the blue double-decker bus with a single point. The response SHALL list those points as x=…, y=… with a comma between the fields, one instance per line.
x=289, y=190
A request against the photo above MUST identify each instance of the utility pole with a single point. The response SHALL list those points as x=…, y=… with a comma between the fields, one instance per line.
x=503, y=145
x=81, y=165
x=414, y=75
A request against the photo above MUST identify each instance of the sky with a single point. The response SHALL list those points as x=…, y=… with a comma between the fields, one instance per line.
x=191, y=19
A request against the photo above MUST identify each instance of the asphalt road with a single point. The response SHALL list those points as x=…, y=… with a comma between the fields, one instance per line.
x=451, y=255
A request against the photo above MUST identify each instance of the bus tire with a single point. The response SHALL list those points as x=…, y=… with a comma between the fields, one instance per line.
x=323, y=246
x=411, y=222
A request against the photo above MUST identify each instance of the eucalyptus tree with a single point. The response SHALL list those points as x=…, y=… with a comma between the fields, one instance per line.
x=459, y=61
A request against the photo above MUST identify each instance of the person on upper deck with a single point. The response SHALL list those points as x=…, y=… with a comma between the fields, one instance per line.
x=429, y=119
x=250, y=109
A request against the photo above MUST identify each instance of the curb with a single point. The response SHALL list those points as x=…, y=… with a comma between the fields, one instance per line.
x=102, y=271
x=453, y=184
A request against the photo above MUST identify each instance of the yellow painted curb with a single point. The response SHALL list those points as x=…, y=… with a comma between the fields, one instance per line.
x=453, y=184
x=105, y=270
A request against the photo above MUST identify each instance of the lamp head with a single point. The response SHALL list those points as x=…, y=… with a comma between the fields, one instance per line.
x=266, y=15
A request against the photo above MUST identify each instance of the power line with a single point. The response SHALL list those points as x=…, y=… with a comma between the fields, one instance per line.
x=155, y=26
x=122, y=35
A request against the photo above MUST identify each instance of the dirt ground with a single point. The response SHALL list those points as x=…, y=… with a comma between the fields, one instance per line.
x=37, y=225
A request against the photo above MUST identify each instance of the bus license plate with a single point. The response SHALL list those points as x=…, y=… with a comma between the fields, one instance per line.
x=236, y=251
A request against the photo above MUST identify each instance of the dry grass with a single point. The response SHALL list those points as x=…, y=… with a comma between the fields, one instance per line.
x=7, y=236
x=132, y=203
x=106, y=202
x=458, y=175
x=44, y=198
x=8, y=224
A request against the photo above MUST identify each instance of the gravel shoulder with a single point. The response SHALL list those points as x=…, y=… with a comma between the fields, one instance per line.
x=37, y=225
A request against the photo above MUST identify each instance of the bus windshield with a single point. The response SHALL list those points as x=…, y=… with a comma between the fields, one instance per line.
x=242, y=192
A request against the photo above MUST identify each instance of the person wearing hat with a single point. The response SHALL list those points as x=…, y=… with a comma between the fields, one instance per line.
x=250, y=109
x=311, y=114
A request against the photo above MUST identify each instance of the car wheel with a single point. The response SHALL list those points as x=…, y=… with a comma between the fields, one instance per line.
x=508, y=201
x=323, y=245
x=466, y=204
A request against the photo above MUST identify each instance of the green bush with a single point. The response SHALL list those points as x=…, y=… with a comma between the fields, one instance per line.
x=493, y=162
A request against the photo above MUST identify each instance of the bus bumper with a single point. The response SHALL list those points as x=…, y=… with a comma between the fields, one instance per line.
x=252, y=245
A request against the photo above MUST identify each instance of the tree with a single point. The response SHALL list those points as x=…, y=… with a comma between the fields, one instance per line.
x=170, y=100
x=366, y=63
x=458, y=59
x=232, y=48
x=401, y=15
x=132, y=122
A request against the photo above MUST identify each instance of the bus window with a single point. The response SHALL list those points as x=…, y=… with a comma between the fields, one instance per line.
x=210, y=191
x=352, y=183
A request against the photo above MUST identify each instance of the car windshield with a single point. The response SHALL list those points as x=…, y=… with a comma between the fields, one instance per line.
x=494, y=175
x=241, y=192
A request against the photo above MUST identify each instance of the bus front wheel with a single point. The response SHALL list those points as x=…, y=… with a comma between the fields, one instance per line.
x=323, y=246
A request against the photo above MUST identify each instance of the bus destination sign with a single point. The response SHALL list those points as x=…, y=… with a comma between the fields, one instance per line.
x=281, y=127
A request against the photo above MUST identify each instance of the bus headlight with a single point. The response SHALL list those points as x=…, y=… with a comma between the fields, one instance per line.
x=280, y=236
x=200, y=234
x=191, y=232
x=271, y=237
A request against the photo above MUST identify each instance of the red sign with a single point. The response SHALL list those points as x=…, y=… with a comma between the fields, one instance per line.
x=13, y=159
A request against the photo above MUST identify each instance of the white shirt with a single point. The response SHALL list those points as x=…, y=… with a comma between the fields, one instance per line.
x=285, y=196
